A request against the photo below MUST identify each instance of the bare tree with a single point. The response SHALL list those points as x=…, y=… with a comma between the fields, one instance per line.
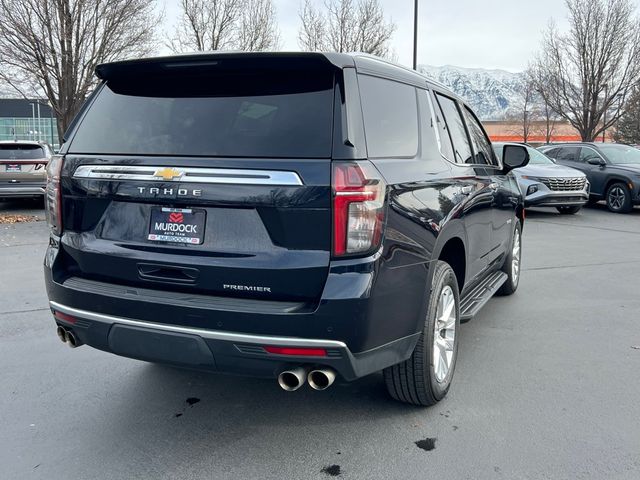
x=52, y=47
x=226, y=25
x=526, y=111
x=346, y=27
x=258, y=27
x=313, y=31
x=591, y=69
x=549, y=120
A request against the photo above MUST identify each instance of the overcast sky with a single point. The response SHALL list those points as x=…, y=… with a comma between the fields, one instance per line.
x=502, y=34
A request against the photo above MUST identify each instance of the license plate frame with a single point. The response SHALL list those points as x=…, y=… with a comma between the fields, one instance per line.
x=177, y=225
x=13, y=168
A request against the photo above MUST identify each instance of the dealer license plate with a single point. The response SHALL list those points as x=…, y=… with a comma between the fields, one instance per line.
x=180, y=225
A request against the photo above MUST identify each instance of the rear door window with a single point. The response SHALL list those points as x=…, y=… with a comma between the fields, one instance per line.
x=457, y=129
x=567, y=154
x=229, y=116
x=390, y=117
x=446, y=147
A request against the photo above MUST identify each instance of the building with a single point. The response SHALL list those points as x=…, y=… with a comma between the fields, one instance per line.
x=559, y=131
x=23, y=119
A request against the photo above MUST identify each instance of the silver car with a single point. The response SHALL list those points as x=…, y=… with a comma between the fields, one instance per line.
x=23, y=168
x=545, y=184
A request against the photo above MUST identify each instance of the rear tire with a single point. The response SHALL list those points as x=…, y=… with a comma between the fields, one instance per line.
x=425, y=378
x=569, y=210
x=619, y=198
x=511, y=264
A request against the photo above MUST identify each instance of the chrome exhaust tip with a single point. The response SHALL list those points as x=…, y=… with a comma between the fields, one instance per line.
x=321, y=379
x=62, y=334
x=72, y=341
x=291, y=380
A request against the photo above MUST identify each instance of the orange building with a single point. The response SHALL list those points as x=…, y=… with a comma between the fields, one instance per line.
x=508, y=131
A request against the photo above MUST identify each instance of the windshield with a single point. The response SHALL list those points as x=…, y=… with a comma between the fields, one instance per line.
x=21, y=152
x=232, y=115
x=535, y=157
x=621, y=154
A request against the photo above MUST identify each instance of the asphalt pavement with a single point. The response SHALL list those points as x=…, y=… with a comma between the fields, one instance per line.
x=547, y=386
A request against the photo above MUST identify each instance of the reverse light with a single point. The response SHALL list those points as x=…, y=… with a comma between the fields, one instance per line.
x=53, y=197
x=304, y=352
x=358, y=207
x=64, y=317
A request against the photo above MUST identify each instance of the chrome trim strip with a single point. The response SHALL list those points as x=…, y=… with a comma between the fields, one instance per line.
x=211, y=334
x=188, y=175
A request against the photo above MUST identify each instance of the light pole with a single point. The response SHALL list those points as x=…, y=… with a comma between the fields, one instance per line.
x=604, y=119
x=39, y=124
x=415, y=34
x=33, y=121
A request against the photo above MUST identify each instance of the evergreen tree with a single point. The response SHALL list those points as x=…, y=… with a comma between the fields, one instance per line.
x=628, y=127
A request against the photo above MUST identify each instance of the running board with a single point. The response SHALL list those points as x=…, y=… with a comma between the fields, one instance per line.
x=476, y=298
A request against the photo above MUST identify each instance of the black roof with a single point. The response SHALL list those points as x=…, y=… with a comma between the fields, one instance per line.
x=238, y=60
x=21, y=108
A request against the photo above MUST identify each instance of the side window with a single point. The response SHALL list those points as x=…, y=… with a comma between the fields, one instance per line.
x=567, y=154
x=390, y=112
x=481, y=144
x=587, y=154
x=446, y=148
x=551, y=153
x=457, y=129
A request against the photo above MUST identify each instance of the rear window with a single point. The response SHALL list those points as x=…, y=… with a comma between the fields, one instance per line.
x=21, y=152
x=259, y=115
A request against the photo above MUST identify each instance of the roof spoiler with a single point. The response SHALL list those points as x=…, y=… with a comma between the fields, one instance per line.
x=220, y=61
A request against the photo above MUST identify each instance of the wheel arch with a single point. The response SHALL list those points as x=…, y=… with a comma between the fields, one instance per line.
x=615, y=179
x=451, y=248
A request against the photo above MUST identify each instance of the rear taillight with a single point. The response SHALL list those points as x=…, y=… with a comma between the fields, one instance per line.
x=52, y=196
x=358, y=207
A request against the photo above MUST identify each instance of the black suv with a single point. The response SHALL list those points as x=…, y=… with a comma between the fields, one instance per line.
x=613, y=170
x=296, y=216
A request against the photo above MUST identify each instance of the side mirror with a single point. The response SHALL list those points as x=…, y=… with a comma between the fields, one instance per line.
x=514, y=156
x=597, y=161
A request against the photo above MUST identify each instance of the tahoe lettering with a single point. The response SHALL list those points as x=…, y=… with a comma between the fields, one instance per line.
x=180, y=192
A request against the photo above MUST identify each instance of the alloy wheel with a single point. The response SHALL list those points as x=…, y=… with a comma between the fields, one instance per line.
x=617, y=197
x=444, y=334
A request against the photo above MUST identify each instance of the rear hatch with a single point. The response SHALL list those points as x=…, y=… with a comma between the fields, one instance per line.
x=22, y=163
x=204, y=177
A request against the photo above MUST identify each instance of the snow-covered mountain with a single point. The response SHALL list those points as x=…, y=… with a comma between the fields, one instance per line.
x=493, y=94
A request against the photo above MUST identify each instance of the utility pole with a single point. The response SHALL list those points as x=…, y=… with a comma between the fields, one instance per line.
x=39, y=124
x=33, y=121
x=604, y=120
x=415, y=34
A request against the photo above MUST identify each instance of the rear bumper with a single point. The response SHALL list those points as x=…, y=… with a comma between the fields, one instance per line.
x=216, y=350
x=17, y=190
x=351, y=321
